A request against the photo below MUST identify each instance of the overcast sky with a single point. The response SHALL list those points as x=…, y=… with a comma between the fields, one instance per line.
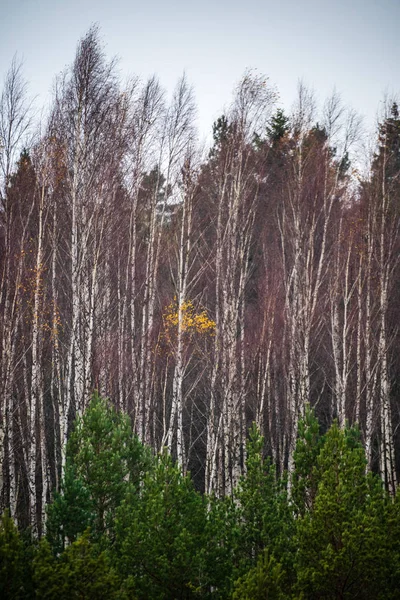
x=351, y=44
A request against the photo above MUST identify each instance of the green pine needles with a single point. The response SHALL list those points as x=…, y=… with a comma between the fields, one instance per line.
x=128, y=524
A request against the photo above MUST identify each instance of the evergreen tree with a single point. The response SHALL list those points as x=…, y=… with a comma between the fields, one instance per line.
x=263, y=512
x=306, y=475
x=221, y=130
x=80, y=572
x=388, y=155
x=342, y=546
x=71, y=512
x=223, y=561
x=277, y=130
x=160, y=535
x=263, y=582
x=104, y=460
x=391, y=532
x=278, y=127
x=15, y=575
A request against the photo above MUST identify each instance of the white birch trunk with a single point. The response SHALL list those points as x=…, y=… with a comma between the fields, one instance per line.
x=36, y=426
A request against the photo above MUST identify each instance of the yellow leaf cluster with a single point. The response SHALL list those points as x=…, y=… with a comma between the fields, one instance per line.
x=191, y=321
x=47, y=315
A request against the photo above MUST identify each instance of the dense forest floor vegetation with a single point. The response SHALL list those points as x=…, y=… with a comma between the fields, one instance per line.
x=129, y=524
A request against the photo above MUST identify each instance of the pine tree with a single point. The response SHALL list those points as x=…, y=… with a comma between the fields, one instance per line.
x=305, y=477
x=82, y=571
x=342, y=547
x=263, y=512
x=71, y=512
x=263, y=582
x=15, y=575
x=104, y=460
x=160, y=535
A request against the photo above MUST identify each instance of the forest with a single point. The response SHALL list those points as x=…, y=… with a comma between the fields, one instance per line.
x=237, y=306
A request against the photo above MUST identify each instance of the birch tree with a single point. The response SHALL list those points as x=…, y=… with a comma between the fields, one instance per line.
x=145, y=111
x=88, y=112
x=308, y=211
x=177, y=132
x=383, y=206
x=188, y=328
x=236, y=190
x=15, y=121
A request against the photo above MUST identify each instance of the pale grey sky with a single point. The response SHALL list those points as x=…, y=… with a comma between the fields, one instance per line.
x=353, y=45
